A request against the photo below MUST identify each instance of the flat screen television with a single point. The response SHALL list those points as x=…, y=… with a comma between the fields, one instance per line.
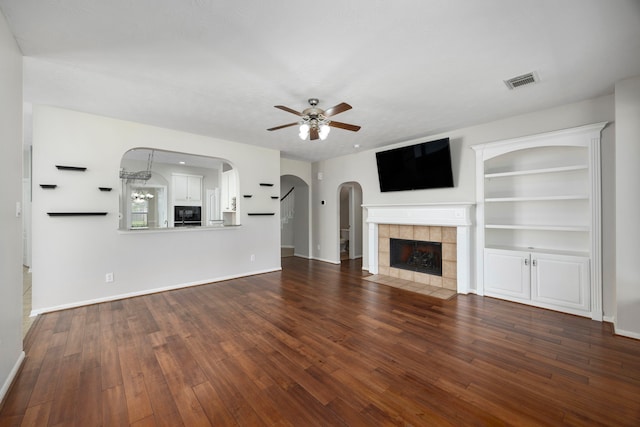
x=416, y=167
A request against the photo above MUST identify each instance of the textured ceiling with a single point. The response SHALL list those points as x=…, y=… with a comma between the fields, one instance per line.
x=409, y=68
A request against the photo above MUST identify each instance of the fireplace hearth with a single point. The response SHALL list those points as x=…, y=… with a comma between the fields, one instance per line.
x=416, y=255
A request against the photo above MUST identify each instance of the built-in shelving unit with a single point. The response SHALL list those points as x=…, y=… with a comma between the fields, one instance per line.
x=538, y=212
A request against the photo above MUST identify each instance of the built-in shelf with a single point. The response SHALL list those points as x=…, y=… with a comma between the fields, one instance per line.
x=261, y=213
x=539, y=235
x=537, y=198
x=76, y=213
x=247, y=196
x=48, y=186
x=538, y=227
x=538, y=250
x=104, y=188
x=265, y=184
x=537, y=171
x=71, y=168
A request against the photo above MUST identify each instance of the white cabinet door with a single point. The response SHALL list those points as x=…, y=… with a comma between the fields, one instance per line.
x=194, y=188
x=507, y=274
x=180, y=187
x=229, y=191
x=187, y=189
x=561, y=280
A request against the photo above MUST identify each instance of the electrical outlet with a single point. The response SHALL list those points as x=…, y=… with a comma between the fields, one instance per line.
x=318, y=247
x=253, y=257
x=108, y=278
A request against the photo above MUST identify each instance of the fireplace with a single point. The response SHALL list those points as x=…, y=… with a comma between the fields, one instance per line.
x=446, y=223
x=416, y=255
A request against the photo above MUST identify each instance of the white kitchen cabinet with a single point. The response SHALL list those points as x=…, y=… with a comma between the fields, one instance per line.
x=187, y=189
x=507, y=274
x=561, y=282
x=555, y=281
x=229, y=191
x=539, y=220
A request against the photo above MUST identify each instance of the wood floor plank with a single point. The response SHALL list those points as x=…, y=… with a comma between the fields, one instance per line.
x=89, y=406
x=213, y=405
x=37, y=415
x=316, y=345
x=67, y=384
x=185, y=399
x=114, y=411
x=138, y=402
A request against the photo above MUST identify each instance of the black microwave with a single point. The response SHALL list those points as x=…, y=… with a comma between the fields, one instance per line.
x=187, y=215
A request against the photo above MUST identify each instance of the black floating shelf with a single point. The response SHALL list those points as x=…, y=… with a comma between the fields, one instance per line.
x=49, y=186
x=71, y=168
x=247, y=196
x=76, y=213
x=261, y=213
x=265, y=184
x=275, y=197
x=104, y=188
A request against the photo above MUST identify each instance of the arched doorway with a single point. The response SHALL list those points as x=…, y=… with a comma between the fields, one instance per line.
x=350, y=221
x=294, y=216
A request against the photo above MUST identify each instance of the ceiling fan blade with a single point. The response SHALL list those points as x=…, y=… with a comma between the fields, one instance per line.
x=283, y=126
x=289, y=110
x=313, y=133
x=340, y=108
x=345, y=126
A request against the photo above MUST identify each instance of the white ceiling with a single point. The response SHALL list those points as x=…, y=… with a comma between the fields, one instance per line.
x=409, y=68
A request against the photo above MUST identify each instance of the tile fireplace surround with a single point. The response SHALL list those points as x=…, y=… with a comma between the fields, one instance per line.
x=447, y=223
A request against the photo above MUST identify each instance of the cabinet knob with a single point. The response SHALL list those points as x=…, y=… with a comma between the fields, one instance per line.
x=526, y=261
x=533, y=262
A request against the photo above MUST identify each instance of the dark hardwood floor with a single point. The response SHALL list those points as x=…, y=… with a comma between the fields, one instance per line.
x=315, y=345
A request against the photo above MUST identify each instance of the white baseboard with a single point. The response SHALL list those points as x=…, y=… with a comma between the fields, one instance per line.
x=12, y=375
x=301, y=256
x=325, y=260
x=148, y=292
x=628, y=334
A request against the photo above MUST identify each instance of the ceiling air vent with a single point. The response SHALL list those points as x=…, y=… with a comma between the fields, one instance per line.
x=523, y=80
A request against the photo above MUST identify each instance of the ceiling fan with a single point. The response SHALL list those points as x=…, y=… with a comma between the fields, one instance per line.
x=315, y=122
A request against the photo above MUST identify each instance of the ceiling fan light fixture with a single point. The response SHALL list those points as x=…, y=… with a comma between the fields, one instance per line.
x=314, y=123
x=324, y=131
x=304, y=131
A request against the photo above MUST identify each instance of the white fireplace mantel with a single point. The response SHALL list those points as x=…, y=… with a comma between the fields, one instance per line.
x=459, y=215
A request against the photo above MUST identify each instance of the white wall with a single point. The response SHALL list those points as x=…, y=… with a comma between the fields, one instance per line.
x=297, y=168
x=361, y=168
x=627, y=93
x=11, y=353
x=71, y=255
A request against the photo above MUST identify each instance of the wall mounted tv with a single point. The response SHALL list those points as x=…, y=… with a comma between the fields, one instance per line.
x=416, y=167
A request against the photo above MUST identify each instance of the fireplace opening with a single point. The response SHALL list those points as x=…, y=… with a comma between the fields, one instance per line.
x=416, y=255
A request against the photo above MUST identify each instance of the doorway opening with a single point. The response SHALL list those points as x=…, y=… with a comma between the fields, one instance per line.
x=294, y=217
x=350, y=221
